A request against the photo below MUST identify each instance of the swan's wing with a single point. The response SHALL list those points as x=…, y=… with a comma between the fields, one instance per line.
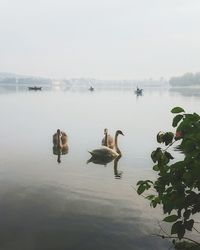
x=64, y=138
x=104, y=152
x=55, y=138
x=103, y=142
x=111, y=143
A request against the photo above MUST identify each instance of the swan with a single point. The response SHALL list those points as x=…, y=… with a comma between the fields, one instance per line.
x=107, y=153
x=104, y=153
x=118, y=132
x=60, y=139
x=108, y=140
x=60, y=146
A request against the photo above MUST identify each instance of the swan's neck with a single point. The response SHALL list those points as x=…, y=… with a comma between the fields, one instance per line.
x=116, y=144
x=59, y=141
x=106, y=139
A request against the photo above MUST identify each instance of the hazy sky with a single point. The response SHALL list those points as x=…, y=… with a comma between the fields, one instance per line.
x=106, y=39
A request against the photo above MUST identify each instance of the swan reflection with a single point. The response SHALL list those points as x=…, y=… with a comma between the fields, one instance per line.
x=60, y=151
x=103, y=161
x=100, y=160
x=117, y=173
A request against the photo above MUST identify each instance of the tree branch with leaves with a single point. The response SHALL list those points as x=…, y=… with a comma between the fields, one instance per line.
x=178, y=183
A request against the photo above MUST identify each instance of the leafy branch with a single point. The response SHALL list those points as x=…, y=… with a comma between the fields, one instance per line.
x=178, y=184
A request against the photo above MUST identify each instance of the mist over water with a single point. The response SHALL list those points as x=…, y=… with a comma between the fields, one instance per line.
x=75, y=205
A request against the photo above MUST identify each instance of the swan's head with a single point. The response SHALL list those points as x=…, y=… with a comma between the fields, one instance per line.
x=119, y=132
x=59, y=134
x=58, y=131
x=105, y=131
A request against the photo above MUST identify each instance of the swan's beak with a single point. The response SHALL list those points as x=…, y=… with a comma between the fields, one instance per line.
x=122, y=134
x=90, y=160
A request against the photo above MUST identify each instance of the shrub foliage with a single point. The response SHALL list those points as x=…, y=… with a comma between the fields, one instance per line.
x=178, y=183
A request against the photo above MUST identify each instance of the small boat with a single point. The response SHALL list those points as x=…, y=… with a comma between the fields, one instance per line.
x=91, y=88
x=34, y=88
x=138, y=91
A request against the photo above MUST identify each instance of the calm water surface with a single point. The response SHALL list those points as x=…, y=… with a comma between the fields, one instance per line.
x=75, y=205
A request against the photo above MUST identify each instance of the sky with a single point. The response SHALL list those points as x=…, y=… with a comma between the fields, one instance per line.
x=104, y=39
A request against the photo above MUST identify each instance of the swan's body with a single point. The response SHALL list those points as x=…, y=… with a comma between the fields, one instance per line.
x=105, y=153
x=60, y=147
x=108, y=140
x=102, y=155
x=91, y=88
x=60, y=139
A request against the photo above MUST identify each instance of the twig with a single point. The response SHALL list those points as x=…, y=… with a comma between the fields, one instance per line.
x=196, y=230
x=162, y=229
x=174, y=237
x=136, y=191
x=169, y=146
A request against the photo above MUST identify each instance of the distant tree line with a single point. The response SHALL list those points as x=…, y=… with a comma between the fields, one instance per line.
x=25, y=80
x=188, y=79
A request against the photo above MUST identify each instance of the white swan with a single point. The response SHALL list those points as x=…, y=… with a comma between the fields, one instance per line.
x=104, y=153
x=107, y=153
x=108, y=140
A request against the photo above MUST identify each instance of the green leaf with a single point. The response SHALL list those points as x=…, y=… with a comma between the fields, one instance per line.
x=150, y=197
x=154, y=203
x=164, y=160
x=177, y=110
x=176, y=120
x=171, y=218
x=175, y=227
x=181, y=232
x=141, y=189
x=169, y=156
x=189, y=224
x=168, y=138
x=156, y=168
x=187, y=177
x=160, y=137
x=149, y=181
x=140, y=182
x=155, y=155
x=186, y=214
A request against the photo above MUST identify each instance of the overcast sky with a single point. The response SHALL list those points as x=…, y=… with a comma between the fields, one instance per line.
x=105, y=39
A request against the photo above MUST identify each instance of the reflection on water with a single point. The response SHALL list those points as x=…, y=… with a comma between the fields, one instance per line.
x=103, y=161
x=60, y=151
x=186, y=91
x=79, y=206
x=100, y=160
x=117, y=173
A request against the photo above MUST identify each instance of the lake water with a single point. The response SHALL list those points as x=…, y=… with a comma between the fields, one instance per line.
x=74, y=205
